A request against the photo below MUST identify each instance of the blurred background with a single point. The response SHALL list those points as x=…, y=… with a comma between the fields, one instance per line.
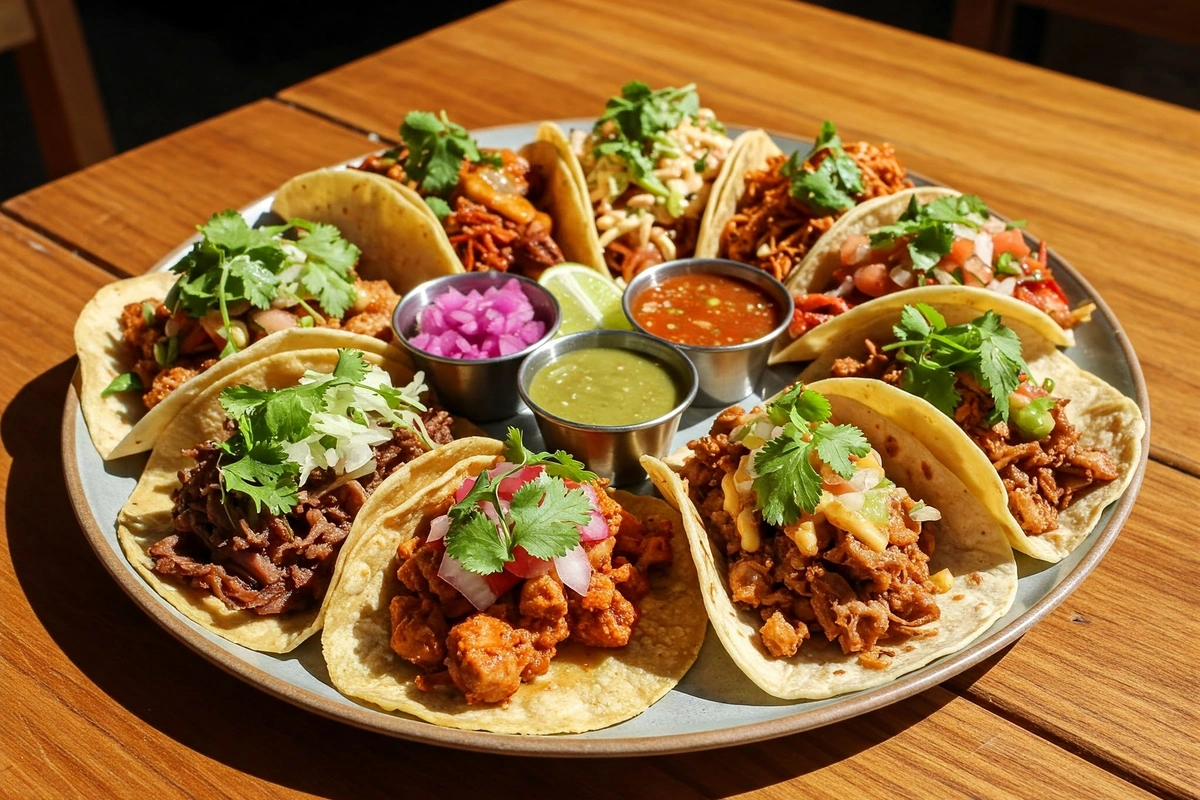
x=158, y=67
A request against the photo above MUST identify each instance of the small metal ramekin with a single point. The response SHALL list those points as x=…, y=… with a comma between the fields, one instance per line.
x=729, y=372
x=484, y=389
x=611, y=451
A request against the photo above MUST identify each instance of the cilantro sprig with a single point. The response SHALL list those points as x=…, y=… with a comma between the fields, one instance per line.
x=437, y=148
x=234, y=262
x=253, y=462
x=541, y=518
x=831, y=187
x=930, y=227
x=934, y=352
x=788, y=483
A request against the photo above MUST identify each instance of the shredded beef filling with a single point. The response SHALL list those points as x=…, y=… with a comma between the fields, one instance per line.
x=488, y=655
x=1042, y=476
x=371, y=315
x=260, y=562
x=846, y=592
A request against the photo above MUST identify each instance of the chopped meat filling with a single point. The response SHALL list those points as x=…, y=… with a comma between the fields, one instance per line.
x=274, y=565
x=1042, y=476
x=488, y=655
x=169, y=350
x=843, y=591
x=492, y=223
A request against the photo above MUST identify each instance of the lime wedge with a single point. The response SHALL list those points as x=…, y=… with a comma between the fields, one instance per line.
x=588, y=299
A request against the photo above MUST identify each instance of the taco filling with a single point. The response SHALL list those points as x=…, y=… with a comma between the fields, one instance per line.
x=950, y=241
x=531, y=554
x=260, y=517
x=975, y=375
x=239, y=284
x=650, y=162
x=792, y=200
x=486, y=199
x=817, y=540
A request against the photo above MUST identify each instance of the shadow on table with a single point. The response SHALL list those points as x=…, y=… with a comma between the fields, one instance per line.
x=175, y=691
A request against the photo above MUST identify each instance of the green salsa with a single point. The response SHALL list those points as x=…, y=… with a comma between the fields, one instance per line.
x=605, y=386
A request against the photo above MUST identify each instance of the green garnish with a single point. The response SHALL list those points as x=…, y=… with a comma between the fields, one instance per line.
x=1007, y=265
x=125, y=382
x=641, y=121
x=1033, y=419
x=831, y=187
x=253, y=461
x=542, y=517
x=148, y=312
x=235, y=263
x=437, y=148
x=930, y=227
x=787, y=482
x=1014, y=223
x=933, y=352
x=438, y=206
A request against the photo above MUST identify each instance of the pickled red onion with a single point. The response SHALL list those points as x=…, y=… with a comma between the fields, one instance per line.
x=498, y=322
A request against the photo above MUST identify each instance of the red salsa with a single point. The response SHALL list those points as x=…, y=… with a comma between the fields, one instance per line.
x=706, y=310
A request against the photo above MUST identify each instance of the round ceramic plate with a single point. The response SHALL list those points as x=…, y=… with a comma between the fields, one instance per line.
x=715, y=705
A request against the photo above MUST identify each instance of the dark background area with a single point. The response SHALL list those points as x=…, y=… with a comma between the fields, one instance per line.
x=164, y=66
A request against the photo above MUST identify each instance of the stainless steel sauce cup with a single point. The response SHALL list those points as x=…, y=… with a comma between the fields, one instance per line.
x=485, y=389
x=730, y=372
x=611, y=451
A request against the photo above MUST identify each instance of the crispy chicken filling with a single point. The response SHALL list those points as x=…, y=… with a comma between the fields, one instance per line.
x=820, y=577
x=488, y=655
x=170, y=349
x=493, y=225
x=1041, y=476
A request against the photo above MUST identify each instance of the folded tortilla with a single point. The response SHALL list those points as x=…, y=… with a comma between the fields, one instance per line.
x=968, y=542
x=585, y=688
x=1105, y=418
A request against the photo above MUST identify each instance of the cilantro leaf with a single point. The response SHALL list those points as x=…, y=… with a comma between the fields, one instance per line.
x=1000, y=362
x=787, y=483
x=836, y=443
x=474, y=542
x=438, y=206
x=125, y=382
x=639, y=112
x=437, y=148
x=262, y=473
x=559, y=464
x=931, y=243
x=240, y=401
x=1005, y=265
x=933, y=383
x=830, y=186
x=546, y=516
x=351, y=365
x=810, y=406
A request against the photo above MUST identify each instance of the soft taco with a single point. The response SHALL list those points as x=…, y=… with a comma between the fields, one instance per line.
x=1044, y=444
x=647, y=170
x=148, y=345
x=769, y=210
x=469, y=208
x=930, y=236
x=254, y=489
x=835, y=551
x=571, y=608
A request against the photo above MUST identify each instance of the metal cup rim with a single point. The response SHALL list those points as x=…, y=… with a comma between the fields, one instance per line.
x=438, y=286
x=524, y=376
x=732, y=268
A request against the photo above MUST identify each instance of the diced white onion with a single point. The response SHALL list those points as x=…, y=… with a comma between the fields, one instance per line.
x=852, y=501
x=574, y=570
x=860, y=253
x=865, y=480
x=984, y=247
x=925, y=514
x=471, y=586
x=1005, y=286
x=943, y=277
x=902, y=277
x=844, y=288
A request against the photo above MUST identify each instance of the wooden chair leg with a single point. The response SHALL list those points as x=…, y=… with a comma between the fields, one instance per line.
x=68, y=115
x=983, y=24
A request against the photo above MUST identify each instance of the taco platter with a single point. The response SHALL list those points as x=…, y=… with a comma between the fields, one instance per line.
x=357, y=648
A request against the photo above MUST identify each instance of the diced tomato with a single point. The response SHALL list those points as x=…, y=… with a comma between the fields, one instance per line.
x=1009, y=242
x=524, y=565
x=976, y=273
x=1048, y=296
x=874, y=280
x=194, y=340
x=1031, y=390
x=501, y=582
x=813, y=309
x=851, y=254
x=960, y=251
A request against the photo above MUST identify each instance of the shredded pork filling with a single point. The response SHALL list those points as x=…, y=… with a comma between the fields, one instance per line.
x=843, y=591
x=264, y=563
x=772, y=231
x=371, y=315
x=488, y=655
x=1041, y=476
x=492, y=224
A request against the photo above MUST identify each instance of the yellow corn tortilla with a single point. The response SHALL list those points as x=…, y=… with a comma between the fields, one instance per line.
x=586, y=688
x=1105, y=417
x=751, y=151
x=120, y=425
x=815, y=273
x=968, y=542
x=146, y=516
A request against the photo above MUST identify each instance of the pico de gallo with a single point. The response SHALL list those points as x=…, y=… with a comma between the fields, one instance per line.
x=948, y=241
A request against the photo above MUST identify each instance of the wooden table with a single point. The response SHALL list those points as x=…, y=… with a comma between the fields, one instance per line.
x=1100, y=696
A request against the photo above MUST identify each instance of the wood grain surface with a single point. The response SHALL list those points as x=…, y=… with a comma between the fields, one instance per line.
x=1098, y=699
